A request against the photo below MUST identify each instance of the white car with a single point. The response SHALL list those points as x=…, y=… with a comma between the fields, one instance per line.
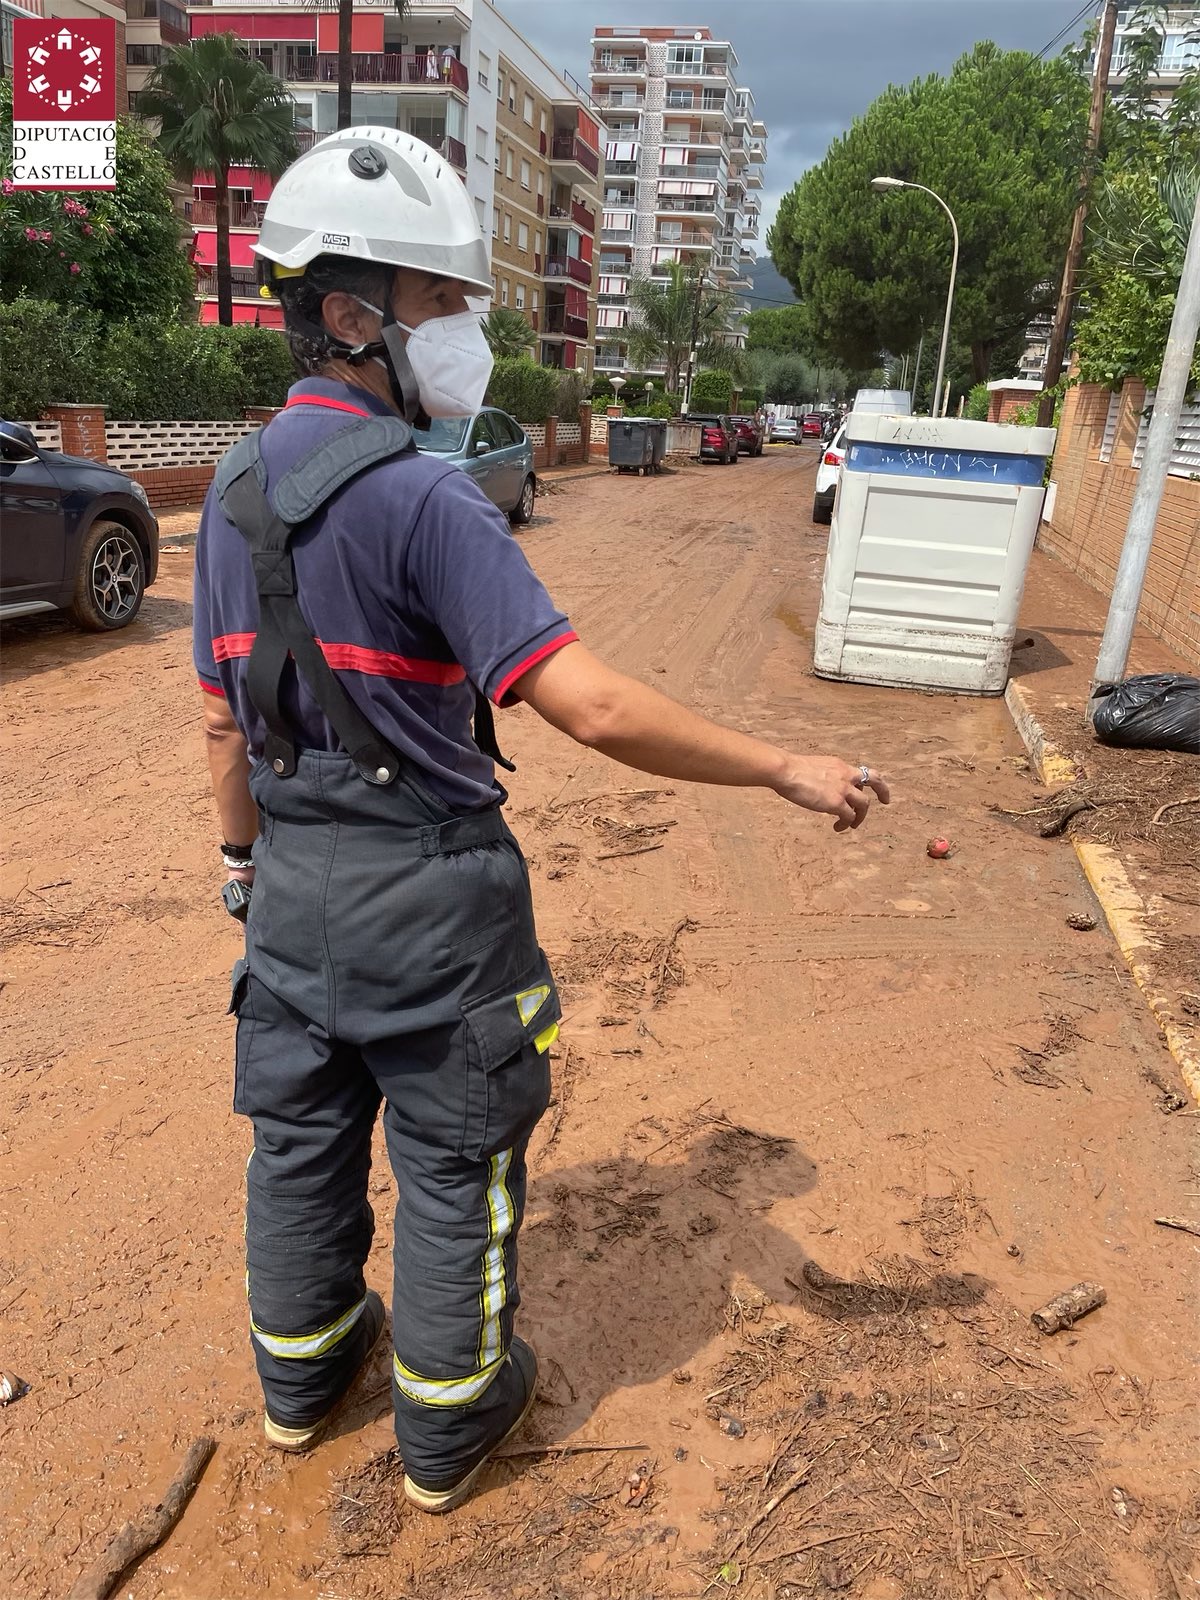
x=827, y=476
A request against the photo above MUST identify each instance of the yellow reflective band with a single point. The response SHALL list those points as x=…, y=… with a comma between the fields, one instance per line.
x=546, y=1038
x=302, y=1347
x=286, y=272
x=501, y=1215
x=444, y=1391
x=531, y=1001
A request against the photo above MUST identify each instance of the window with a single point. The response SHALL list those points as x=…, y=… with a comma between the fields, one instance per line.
x=503, y=291
x=520, y=298
x=499, y=86
x=537, y=241
x=529, y=109
x=536, y=301
x=495, y=225
x=512, y=95
x=522, y=236
x=507, y=227
x=508, y=164
x=143, y=55
x=526, y=176
x=541, y=183
x=484, y=70
x=479, y=210
x=542, y=122
x=480, y=144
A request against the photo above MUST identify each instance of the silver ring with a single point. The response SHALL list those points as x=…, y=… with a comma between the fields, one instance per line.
x=865, y=778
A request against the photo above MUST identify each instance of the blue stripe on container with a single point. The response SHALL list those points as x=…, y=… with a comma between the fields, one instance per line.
x=963, y=466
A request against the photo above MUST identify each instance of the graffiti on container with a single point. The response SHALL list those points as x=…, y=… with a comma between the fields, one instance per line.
x=950, y=461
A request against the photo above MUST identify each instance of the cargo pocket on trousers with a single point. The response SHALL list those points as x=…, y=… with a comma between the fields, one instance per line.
x=508, y=1039
x=239, y=1007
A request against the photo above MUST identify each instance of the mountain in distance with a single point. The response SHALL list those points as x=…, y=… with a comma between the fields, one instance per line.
x=768, y=287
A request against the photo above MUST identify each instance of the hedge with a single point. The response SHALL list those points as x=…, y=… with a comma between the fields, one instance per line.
x=712, y=391
x=142, y=371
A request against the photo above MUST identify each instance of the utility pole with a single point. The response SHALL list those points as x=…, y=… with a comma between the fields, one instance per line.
x=700, y=277
x=1067, y=291
x=917, y=371
x=1160, y=442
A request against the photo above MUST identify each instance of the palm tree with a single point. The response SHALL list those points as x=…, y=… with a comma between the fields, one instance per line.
x=345, y=52
x=672, y=315
x=218, y=109
x=508, y=333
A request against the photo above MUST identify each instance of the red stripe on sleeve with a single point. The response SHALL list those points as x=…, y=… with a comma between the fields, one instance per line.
x=211, y=688
x=510, y=678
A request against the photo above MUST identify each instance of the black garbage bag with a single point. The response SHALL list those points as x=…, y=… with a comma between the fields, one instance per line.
x=1158, y=711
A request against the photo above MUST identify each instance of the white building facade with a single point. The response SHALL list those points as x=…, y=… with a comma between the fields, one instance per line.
x=684, y=166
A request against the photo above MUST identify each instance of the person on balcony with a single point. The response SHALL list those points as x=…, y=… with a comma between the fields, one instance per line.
x=431, y=66
x=448, y=60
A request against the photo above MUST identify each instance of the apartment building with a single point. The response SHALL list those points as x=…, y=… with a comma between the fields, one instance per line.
x=456, y=74
x=684, y=166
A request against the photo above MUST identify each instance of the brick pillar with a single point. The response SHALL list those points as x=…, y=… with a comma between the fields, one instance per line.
x=83, y=432
x=551, y=441
x=260, y=414
x=616, y=410
x=585, y=432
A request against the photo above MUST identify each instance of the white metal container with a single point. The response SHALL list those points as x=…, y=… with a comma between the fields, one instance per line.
x=932, y=528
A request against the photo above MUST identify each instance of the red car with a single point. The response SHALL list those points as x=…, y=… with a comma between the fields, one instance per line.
x=750, y=435
x=813, y=426
x=718, y=439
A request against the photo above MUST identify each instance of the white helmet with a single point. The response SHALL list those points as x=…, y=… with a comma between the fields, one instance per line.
x=374, y=194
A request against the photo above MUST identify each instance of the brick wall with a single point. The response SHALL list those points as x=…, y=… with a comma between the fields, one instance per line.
x=1003, y=400
x=1091, y=509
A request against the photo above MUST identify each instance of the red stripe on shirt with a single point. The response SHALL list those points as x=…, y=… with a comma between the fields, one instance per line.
x=322, y=400
x=357, y=658
x=510, y=678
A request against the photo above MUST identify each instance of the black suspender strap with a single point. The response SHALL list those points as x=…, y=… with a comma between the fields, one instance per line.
x=485, y=732
x=282, y=630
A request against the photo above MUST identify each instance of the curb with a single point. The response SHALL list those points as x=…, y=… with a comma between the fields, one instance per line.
x=1128, y=917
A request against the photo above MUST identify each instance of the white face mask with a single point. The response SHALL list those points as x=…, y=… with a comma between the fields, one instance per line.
x=450, y=360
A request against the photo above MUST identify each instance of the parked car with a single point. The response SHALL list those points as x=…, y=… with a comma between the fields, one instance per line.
x=828, y=474
x=718, y=438
x=75, y=535
x=492, y=448
x=783, y=430
x=750, y=435
x=812, y=425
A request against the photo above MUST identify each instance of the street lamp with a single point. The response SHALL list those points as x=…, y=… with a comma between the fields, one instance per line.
x=881, y=186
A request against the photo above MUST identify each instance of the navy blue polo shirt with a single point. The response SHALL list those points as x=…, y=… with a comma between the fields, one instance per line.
x=411, y=582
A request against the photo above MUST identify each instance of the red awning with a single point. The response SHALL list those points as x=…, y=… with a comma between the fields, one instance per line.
x=241, y=248
x=266, y=315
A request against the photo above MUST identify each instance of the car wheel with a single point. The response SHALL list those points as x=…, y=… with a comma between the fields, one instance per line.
x=522, y=512
x=111, y=581
x=822, y=509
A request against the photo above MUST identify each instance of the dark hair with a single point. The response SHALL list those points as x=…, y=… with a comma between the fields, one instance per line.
x=303, y=299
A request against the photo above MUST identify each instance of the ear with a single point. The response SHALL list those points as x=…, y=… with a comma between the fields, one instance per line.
x=348, y=320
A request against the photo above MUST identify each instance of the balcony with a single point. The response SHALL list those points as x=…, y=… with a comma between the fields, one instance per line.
x=704, y=171
x=570, y=148
x=605, y=64
x=703, y=69
x=244, y=283
x=618, y=100
x=560, y=321
x=689, y=239
x=382, y=67
x=242, y=214
x=697, y=104
x=582, y=217
x=674, y=206
x=616, y=235
x=569, y=267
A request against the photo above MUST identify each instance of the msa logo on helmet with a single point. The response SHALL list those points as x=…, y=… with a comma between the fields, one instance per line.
x=335, y=241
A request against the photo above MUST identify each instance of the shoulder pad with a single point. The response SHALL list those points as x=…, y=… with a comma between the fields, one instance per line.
x=318, y=476
x=247, y=452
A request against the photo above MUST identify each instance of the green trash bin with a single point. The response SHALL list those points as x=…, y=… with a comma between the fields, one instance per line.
x=631, y=443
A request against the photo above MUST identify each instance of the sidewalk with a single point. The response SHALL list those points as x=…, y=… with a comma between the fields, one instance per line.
x=1143, y=866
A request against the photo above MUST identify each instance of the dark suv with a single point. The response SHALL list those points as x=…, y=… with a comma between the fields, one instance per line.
x=750, y=432
x=74, y=535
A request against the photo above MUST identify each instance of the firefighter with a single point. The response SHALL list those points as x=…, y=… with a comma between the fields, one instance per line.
x=359, y=609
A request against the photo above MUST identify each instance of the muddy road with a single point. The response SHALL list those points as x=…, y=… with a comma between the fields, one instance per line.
x=831, y=1119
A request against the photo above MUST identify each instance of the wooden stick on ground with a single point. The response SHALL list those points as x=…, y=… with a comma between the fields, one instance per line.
x=585, y=1449
x=1184, y=1224
x=137, y=1539
x=1066, y=1308
x=1189, y=800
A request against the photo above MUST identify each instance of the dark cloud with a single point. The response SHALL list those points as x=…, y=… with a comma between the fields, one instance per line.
x=813, y=65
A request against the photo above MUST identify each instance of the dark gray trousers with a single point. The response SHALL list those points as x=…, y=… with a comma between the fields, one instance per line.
x=391, y=960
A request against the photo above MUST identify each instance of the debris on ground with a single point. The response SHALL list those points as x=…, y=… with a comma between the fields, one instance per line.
x=1065, y=1309
x=11, y=1388
x=1081, y=921
x=939, y=848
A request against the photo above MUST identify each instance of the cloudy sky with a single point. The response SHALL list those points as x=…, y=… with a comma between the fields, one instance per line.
x=812, y=65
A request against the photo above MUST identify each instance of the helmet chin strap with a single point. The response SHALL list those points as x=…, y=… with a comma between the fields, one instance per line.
x=389, y=351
